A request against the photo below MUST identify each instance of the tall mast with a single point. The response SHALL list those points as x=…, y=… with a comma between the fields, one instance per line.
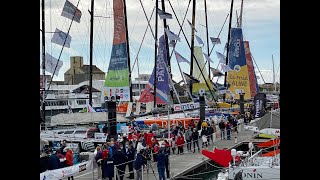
x=229, y=30
x=167, y=44
x=205, y=10
x=192, y=38
x=91, y=53
x=274, y=79
x=128, y=52
x=43, y=63
x=155, y=60
x=240, y=18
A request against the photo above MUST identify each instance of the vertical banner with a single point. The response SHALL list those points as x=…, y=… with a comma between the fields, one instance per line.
x=260, y=102
x=238, y=78
x=162, y=78
x=117, y=80
x=251, y=73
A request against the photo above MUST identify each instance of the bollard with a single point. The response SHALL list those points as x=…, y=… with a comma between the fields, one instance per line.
x=214, y=137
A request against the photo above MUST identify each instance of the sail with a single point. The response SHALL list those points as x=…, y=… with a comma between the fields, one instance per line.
x=162, y=85
x=197, y=73
x=251, y=72
x=238, y=78
x=117, y=79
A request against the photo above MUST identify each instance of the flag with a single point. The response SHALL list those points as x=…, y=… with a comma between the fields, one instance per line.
x=171, y=35
x=199, y=40
x=190, y=78
x=221, y=57
x=59, y=37
x=69, y=10
x=207, y=57
x=192, y=27
x=215, y=40
x=226, y=47
x=180, y=58
x=225, y=68
x=51, y=64
x=164, y=15
x=216, y=72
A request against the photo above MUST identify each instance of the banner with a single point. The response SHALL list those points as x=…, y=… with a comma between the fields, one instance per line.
x=69, y=10
x=67, y=171
x=117, y=79
x=260, y=102
x=185, y=106
x=162, y=78
x=238, y=78
x=251, y=73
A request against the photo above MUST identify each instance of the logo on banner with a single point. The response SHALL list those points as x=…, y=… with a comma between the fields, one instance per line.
x=237, y=68
x=82, y=167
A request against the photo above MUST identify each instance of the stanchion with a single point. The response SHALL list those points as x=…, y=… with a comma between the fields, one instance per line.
x=93, y=169
x=115, y=172
x=142, y=172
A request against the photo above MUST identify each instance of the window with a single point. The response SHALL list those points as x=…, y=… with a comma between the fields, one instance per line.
x=80, y=132
x=81, y=102
x=68, y=132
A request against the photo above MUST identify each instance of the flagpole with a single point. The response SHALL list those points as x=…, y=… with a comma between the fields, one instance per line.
x=228, y=44
x=43, y=63
x=91, y=52
x=192, y=39
x=205, y=10
x=155, y=60
x=128, y=51
x=167, y=45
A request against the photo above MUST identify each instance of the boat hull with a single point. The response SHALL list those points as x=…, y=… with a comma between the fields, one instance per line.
x=256, y=172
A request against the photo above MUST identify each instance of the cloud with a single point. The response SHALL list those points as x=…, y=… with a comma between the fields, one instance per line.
x=260, y=27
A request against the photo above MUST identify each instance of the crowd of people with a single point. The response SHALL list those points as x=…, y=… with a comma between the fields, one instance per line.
x=139, y=150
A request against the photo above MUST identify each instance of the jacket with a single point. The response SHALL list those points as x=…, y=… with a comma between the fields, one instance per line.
x=189, y=135
x=195, y=135
x=54, y=162
x=108, y=167
x=139, y=162
x=69, y=158
x=161, y=159
x=180, y=141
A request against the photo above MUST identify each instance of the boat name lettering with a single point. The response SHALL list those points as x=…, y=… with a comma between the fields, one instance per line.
x=250, y=175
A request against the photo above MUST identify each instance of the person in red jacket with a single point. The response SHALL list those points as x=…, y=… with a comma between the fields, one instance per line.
x=69, y=159
x=180, y=143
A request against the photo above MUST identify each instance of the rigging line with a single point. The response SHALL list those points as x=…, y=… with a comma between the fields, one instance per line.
x=257, y=68
x=213, y=97
x=205, y=63
x=219, y=32
x=134, y=25
x=63, y=46
x=145, y=14
x=145, y=32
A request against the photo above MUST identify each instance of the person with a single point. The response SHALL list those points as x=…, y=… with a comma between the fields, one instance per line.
x=54, y=161
x=69, y=159
x=120, y=159
x=108, y=168
x=129, y=151
x=204, y=134
x=61, y=158
x=195, y=139
x=161, y=164
x=189, y=138
x=180, y=143
x=222, y=127
x=147, y=155
x=99, y=159
x=228, y=127
x=214, y=130
x=62, y=147
x=210, y=132
x=139, y=162
x=166, y=147
x=44, y=161
x=113, y=147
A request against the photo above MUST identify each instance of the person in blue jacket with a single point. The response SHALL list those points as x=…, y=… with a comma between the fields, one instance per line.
x=54, y=161
x=161, y=157
x=129, y=151
x=108, y=168
x=120, y=160
x=139, y=163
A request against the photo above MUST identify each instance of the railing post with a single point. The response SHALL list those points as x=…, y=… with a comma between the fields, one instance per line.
x=115, y=172
x=141, y=172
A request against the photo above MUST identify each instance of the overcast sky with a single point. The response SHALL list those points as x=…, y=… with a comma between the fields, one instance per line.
x=261, y=27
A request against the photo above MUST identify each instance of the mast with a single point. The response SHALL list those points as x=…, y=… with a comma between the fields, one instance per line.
x=127, y=38
x=229, y=30
x=91, y=53
x=192, y=38
x=155, y=60
x=240, y=18
x=167, y=44
x=205, y=10
x=43, y=62
x=273, y=77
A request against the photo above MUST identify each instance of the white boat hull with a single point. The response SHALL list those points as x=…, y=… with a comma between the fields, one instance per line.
x=256, y=172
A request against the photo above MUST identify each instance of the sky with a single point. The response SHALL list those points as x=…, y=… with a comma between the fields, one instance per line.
x=261, y=27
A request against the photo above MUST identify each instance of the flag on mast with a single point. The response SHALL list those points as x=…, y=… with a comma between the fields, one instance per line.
x=71, y=12
x=164, y=15
x=61, y=38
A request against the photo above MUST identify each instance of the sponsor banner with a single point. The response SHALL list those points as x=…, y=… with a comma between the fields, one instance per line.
x=100, y=137
x=260, y=103
x=122, y=92
x=67, y=171
x=185, y=106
